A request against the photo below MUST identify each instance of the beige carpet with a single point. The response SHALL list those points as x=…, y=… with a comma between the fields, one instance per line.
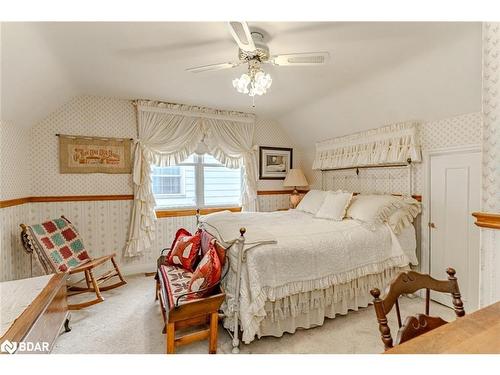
x=129, y=321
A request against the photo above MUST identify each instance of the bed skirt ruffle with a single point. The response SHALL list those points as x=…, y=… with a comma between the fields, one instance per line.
x=309, y=309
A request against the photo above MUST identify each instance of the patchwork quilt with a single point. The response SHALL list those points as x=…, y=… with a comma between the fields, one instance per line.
x=58, y=245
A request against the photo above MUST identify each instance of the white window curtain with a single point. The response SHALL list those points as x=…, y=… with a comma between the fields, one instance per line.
x=170, y=133
x=231, y=143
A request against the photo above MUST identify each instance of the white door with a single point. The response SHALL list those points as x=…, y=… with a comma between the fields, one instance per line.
x=454, y=239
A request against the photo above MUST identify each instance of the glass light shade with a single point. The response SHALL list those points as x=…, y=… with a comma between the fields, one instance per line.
x=256, y=85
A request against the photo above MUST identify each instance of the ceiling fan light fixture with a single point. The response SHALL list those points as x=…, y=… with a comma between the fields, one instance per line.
x=257, y=82
x=241, y=84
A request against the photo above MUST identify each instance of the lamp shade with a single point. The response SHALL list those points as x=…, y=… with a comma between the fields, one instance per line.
x=295, y=177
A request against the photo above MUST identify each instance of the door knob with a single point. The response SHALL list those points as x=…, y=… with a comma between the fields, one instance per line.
x=432, y=225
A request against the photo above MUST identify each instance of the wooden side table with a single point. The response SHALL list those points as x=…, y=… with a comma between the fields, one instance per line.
x=475, y=333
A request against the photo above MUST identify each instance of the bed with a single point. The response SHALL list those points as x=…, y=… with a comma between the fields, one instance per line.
x=297, y=269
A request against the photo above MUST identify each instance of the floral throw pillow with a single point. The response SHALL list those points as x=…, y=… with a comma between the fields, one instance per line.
x=207, y=274
x=184, y=251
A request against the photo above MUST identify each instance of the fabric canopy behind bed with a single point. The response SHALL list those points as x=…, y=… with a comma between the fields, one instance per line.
x=167, y=135
x=387, y=145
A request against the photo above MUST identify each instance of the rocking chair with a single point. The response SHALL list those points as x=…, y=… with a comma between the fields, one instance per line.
x=58, y=247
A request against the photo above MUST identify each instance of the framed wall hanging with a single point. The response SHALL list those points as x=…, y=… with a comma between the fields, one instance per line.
x=274, y=162
x=80, y=154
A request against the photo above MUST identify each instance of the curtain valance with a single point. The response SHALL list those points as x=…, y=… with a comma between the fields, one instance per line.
x=193, y=111
x=386, y=145
x=167, y=135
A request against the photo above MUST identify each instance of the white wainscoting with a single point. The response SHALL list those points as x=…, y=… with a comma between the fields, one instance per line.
x=14, y=261
x=273, y=202
x=103, y=226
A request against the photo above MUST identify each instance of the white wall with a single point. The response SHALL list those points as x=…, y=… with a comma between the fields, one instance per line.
x=15, y=182
x=437, y=82
x=15, y=162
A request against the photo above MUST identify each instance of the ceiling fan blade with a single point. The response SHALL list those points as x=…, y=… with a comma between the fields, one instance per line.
x=206, y=68
x=242, y=35
x=309, y=58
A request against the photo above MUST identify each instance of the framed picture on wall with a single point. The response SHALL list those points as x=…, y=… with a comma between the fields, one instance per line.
x=274, y=162
x=82, y=154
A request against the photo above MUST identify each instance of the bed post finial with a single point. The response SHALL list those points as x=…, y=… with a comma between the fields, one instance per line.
x=410, y=177
x=236, y=304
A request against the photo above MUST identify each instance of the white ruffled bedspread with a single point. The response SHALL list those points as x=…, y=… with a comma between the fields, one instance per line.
x=310, y=254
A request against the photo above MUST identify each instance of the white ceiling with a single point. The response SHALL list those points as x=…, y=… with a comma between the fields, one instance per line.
x=378, y=71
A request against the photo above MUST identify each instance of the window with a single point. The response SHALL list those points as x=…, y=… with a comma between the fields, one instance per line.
x=168, y=181
x=199, y=181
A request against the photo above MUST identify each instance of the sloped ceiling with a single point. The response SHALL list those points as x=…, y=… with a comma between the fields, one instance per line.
x=379, y=72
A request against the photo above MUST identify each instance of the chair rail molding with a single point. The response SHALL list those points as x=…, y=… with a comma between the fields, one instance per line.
x=487, y=220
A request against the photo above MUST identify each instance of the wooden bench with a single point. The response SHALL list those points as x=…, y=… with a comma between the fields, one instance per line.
x=179, y=313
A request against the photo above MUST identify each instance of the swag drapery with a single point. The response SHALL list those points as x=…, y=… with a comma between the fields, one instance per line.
x=167, y=135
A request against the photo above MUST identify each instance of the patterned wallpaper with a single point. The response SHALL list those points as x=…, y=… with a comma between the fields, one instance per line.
x=84, y=115
x=103, y=225
x=491, y=109
x=270, y=133
x=455, y=131
x=15, y=162
x=490, y=239
x=98, y=116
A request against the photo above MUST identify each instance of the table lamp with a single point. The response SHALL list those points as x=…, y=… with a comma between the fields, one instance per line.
x=295, y=178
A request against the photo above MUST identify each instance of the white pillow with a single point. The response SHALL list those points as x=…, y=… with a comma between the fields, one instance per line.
x=403, y=217
x=378, y=208
x=312, y=201
x=372, y=208
x=335, y=205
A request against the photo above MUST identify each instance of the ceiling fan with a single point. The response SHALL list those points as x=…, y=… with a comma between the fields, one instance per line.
x=254, y=52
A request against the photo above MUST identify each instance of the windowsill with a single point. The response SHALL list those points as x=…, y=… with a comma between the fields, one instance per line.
x=163, y=212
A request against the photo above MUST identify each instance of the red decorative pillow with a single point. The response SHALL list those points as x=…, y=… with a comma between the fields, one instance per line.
x=184, y=250
x=180, y=232
x=206, y=238
x=207, y=274
x=221, y=251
